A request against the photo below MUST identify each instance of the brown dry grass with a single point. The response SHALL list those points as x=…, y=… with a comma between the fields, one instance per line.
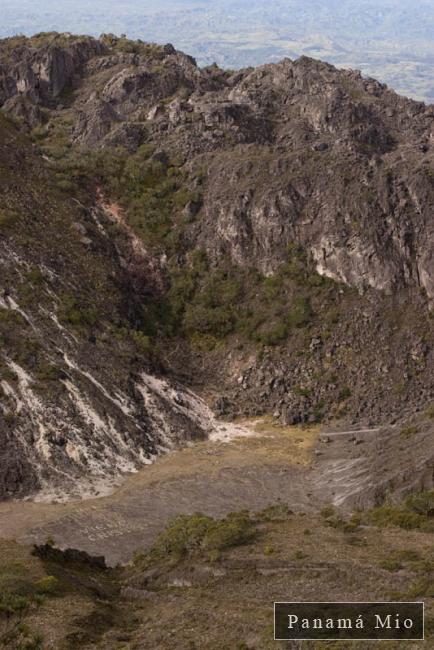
x=273, y=444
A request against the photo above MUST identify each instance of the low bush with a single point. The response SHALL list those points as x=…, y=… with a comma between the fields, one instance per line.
x=48, y=372
x=300, y=313
x=8, y=218
x=76, y=313
x=198, y=533
x=422, y=503
x=142, y=341
x=385, y=516
x=272, y=335
x=48, y=585
x=391, y=564
x=344, y=393
x=14, y=633
x=333, y=519
x=416, y=512
x=411, y=430
x=275, y=512
x=429, y=411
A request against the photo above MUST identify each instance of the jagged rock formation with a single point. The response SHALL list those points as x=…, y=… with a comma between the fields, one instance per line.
x=289, y=156
x=80, y=403
x=305, y=122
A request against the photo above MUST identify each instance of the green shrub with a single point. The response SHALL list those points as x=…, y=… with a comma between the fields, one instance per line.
x=328, y=511
x=8, y=218
x=299, y=555
x=35, y=277
x=142, y=341
x=14, y=633
x=333, y=519
x=301, y=312
x=275, y=512
x=429, y=411
x=216, y=321
x=385, y=516
x=272, y=286
x=39, y=133
x=47, y=585
x=391, y=564
x=304, y=392
x=422, y=503
x=183, y=536
x=184, y=196
x=344, y=393
x=407, y=555
x=421, y=587
x=11, y=604
x=411, y=430
x=190, y=534
x=48, y=372
x=204, y=342
x=76, y=313
x=274, y=335
x=235, y=530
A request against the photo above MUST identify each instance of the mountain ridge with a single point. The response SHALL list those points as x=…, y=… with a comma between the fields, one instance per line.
x=263, y=237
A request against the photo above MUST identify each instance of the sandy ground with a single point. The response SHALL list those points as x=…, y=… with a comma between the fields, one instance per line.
x=253, y=464
x=217, y=476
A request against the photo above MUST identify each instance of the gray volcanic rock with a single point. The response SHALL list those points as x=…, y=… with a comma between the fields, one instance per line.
x=294, y=156
x=82, y=401
x=43, y=73
x=300, y=151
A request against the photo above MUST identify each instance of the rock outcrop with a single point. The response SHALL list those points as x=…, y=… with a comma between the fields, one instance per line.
x=294, y=156
x=300, y=150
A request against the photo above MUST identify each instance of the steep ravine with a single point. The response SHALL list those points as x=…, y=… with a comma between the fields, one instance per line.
x=181, y=243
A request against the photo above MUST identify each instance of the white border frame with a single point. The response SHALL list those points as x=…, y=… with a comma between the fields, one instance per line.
x=351, y=602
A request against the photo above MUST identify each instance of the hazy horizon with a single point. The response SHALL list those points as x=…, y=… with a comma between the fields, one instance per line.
x=392, y=40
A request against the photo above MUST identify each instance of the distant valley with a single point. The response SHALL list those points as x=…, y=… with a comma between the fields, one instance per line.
x=391, y=40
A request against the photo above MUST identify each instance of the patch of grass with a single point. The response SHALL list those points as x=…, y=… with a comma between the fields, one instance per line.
x=269, y=550
x=8, y=218
x=304, y=392
x=301, y=312
x=334, y=520
x=429, y=411
x=420, y=587
x=421, y=503
x=411, y=430
x=328, y=511
x=416, y=512
x=76, y=313
x=276, y=512
x=385, y=516
x=407, y=555
x=48, y=585
x=391, y=564
x=47, y=371
x=142, y=341
x=344, y=393
x=35, y=277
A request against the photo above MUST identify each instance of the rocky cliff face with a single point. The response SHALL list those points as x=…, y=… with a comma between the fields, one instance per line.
x=301, y=185
x=80, y=398
x=300, y=151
